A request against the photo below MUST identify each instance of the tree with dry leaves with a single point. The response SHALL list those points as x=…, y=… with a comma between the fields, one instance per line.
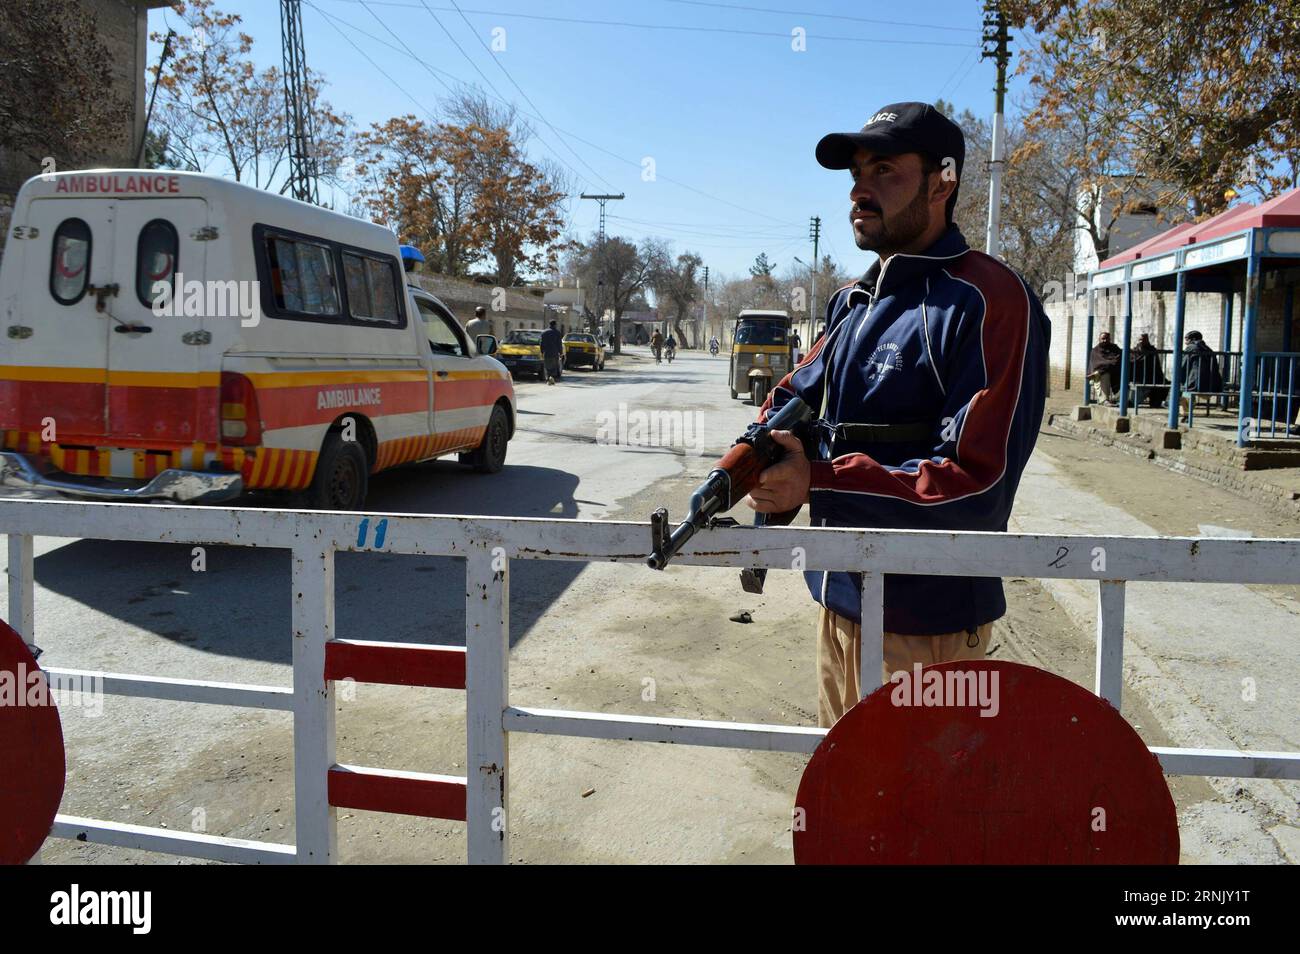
x=419, y=178
x=1196, y=102
x=464, y=190
x=518, y=202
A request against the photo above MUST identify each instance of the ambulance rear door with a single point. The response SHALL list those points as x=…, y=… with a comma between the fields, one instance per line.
x=163, y=383
x=56, y=350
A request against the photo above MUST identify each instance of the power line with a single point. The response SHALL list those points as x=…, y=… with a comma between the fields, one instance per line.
x=821, y=16
x=411, y=53
x=330, y=20
x=668, y=227
x=694, y=225
x=755, y=242
x=490, y=84
x=501, y=66
x=574, y=136
x=677, y=27
x=380, y=21
x=975, y=50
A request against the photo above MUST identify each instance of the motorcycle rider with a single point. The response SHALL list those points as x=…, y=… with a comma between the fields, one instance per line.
x=713, y=345
x=656, y=345
x=672, y=347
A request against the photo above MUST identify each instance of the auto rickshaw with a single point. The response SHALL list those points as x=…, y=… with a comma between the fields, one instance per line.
x=760, y=353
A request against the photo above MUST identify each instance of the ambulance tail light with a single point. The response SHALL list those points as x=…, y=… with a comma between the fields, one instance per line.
x=241, y=423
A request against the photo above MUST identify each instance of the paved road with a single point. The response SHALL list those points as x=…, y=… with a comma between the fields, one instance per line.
x=622, y=639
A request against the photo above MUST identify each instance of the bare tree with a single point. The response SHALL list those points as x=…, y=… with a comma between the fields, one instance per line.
x=618, y=271
x=676, y=284
x=218, y=111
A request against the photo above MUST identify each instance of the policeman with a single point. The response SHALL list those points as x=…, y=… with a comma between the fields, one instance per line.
x=929, y=382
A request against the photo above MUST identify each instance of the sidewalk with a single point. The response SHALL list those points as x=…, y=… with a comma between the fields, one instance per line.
x=1214, y=664
x=1203, y=452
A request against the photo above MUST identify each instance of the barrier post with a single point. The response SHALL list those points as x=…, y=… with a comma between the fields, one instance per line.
x=22, y=586
x=871, y=652
x=487, y=682
x=1110, y=640
x=312, y=579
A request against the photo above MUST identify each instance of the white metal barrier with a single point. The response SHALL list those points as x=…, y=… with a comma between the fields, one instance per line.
x=488, y=544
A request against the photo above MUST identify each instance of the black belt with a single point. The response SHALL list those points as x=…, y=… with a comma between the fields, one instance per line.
x=911, y=433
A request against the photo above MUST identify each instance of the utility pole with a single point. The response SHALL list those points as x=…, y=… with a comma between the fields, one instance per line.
x=815, y=233
x=704, y=310
x=995, y=33
x=600, y=279
x=297, y=105
x=602, y=199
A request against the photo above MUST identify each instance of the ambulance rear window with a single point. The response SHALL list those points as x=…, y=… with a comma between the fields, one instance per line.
x=302, y=277
x=70, y=261
x=372, y=288
x=155, y=261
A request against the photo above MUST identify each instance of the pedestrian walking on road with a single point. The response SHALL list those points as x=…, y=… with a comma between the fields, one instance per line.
x=929, y=385
x=552, y=353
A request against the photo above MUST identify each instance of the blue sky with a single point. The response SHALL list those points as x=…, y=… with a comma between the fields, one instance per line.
x=727, y=110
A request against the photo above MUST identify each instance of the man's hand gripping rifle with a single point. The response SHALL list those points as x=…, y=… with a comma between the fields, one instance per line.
x=730, y=480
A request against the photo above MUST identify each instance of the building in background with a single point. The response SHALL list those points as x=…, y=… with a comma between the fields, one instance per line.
x=123, y=27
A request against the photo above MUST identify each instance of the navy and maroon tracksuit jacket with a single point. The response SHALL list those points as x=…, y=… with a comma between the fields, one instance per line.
x=948, y=348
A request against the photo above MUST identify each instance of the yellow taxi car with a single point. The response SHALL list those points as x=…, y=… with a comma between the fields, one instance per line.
x=521, y=353
x=580, y=349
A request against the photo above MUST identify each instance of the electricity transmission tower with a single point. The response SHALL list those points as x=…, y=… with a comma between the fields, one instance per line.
x=297, y=105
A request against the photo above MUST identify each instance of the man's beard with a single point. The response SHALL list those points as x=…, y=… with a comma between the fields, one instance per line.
x=900, y=231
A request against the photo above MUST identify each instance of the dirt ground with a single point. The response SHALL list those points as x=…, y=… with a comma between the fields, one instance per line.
x=607, y=638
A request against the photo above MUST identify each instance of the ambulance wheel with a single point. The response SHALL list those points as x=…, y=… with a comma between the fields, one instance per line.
x=758, y=391
x=340, y=481
x=491, y=454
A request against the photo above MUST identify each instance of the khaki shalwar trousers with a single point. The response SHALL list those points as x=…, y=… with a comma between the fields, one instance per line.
x=839, y=653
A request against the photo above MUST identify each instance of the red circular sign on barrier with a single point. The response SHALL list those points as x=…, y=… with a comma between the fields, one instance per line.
x=31, y=752
x=983, y=763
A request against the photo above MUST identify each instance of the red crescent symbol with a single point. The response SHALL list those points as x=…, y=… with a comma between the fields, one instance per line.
x=63, y=268
x=166, y=270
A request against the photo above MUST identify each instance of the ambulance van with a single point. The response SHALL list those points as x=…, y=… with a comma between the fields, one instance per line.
x=179, y=336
